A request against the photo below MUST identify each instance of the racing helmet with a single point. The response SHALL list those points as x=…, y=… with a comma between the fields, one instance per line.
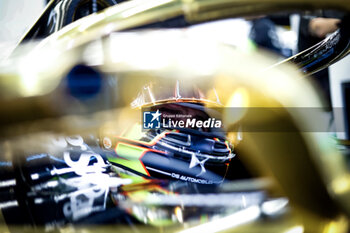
x=180, y=136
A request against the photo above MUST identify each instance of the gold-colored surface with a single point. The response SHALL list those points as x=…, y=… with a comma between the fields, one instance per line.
x=134, y=14
x=303, y=165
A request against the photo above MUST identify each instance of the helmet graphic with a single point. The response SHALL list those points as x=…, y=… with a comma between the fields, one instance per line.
x=180, y=138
